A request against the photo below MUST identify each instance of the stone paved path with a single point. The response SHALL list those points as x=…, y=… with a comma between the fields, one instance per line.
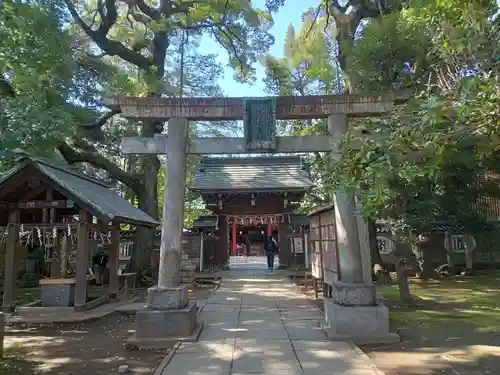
x=259, y=323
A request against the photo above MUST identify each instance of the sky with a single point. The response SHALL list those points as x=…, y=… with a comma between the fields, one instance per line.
x=291, y=12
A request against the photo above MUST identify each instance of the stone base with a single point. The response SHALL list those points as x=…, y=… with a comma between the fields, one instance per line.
x=135, y=342
x=361, y=324
x=168, y=298
x=165, y=324
x=347, y=294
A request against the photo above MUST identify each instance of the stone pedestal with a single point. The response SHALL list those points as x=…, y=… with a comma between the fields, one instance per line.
x=355, y=313
x=168, y=298
x=347, y=294
x=169, y=317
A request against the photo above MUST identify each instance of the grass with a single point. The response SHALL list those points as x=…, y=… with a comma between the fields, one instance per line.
x=10, y=365
x=27, y=295
x=470, y=302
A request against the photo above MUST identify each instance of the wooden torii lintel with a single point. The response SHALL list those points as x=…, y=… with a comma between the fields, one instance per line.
x=287, y=107
x=223, y=145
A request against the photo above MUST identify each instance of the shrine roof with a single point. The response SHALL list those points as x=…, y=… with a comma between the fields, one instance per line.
x=88, y=193
x=251, y=174
x=205, y=222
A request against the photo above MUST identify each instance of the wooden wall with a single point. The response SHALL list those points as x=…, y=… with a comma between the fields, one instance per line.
x=323, y=245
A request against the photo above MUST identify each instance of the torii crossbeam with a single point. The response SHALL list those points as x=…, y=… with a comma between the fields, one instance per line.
x=215, y=109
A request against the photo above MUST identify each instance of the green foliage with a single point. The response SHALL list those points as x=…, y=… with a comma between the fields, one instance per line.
x=426, y=160
x=36, y=63
x=309, y=67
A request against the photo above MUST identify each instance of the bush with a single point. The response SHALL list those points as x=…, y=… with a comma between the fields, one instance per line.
x=29, y=280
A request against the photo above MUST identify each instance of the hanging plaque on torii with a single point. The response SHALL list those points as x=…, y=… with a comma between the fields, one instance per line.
x=259, y=123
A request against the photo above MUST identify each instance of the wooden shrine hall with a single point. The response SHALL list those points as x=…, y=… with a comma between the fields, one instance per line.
x=65, y=213
x=252, y=197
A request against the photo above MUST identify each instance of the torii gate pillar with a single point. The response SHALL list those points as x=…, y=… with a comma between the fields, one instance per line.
x=170, y=315
x=353, y=312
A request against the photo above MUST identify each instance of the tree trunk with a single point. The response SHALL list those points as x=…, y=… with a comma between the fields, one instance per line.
x=147, y=198
x=380, y=273
x=402, y=278
x=469, y=263
x=425, y=269
x=449, y=253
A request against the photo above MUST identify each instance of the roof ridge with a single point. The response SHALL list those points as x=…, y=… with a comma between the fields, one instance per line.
x=289, y=159
x=66, y=169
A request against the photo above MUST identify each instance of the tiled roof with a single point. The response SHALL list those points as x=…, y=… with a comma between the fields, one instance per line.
x=266, y=173
x=87, y=192
x=205, y=222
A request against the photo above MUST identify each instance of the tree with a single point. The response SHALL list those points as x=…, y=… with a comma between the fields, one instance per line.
x=446, y=51
x=309, y=67
x=37, y=77
x=139, y=35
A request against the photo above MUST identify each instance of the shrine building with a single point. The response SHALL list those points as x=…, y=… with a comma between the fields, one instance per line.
x=252, y=198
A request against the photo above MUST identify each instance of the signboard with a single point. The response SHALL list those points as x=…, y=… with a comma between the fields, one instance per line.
x=298, y=245
x=458, y=243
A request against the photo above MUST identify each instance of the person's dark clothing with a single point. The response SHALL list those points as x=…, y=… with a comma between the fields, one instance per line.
x=270, y=248
x=100, y=259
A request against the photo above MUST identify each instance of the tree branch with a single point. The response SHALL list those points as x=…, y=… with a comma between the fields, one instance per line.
x=6, y=88
x=102, y=120
x=99, y=36
x=73, y=156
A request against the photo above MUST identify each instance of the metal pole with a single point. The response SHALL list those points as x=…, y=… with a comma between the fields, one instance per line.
x=201, y=251
x=2, y=332
x=306, y=249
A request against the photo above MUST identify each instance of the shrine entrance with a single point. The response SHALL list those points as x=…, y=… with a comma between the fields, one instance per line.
x=253, y=198
x=260, y=137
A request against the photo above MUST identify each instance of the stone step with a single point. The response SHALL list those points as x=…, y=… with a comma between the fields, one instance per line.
x=184, y=256
x=189, y=273
x=190, y=267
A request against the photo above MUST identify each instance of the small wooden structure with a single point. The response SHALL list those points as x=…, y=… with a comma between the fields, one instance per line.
x=325, y=266
x=55, y=207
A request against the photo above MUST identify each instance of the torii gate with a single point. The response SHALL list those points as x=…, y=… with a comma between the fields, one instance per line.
x=259, y=137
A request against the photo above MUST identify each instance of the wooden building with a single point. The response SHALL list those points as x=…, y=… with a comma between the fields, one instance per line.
x=66, y=213
x=252, y=197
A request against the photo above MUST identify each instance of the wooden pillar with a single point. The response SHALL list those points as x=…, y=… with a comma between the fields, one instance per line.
x=114, y=261
x=222, y=251
x=233, y=235
x=9, y=284
x=285, y=244
x=173, y=205
x=269, y=228
x=82, y=260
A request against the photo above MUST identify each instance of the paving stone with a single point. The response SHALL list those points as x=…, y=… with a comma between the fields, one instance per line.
x=262, y=333
x=196, y=364
x=263, y=346
x=305, y=333
x=211, y=347
x=328, y=362
x=213, y=317
x=316, y=345
x=262, y=324
x=217, y=307
x=258, y=363
x=217, y=333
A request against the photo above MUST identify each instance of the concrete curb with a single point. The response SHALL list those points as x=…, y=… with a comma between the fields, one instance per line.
x=365, y=358
x=166, y=360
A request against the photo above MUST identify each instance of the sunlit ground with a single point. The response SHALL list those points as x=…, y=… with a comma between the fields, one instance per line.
x=453, y=329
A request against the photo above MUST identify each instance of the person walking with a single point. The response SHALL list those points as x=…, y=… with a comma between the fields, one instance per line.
x=270, y=248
